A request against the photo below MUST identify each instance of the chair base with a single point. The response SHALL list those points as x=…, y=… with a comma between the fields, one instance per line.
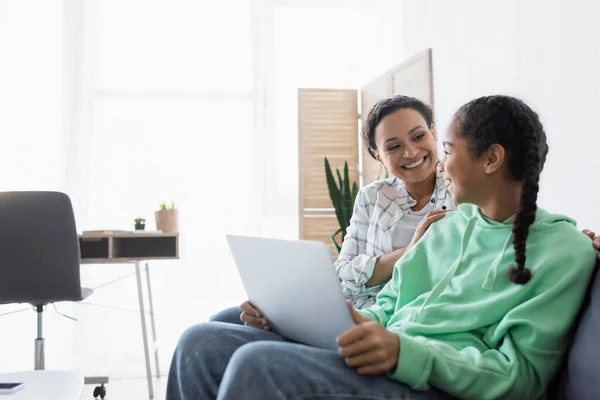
x=39, y=362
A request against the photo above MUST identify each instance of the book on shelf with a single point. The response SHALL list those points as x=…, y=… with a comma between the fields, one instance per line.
x=102, y=232
x=111, y=232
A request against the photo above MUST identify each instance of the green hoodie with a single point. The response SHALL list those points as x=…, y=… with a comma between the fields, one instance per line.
x=464, y=327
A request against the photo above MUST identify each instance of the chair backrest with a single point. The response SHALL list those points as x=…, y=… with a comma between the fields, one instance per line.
x=579, y=378
x=39, y=248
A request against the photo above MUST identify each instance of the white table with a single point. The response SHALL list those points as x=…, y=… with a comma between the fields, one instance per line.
x=46, y=385
x=131, y=247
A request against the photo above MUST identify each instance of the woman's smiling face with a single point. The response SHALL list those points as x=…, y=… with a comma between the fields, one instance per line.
x=406, y=146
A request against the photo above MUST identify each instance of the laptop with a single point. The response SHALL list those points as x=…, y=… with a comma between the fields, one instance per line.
x=295, y=286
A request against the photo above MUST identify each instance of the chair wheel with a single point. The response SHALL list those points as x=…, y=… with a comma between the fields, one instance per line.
x=100, y=391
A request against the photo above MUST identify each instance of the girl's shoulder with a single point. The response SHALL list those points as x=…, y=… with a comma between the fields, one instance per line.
x=558, y=233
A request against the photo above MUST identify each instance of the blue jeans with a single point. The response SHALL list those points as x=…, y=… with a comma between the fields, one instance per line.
x=230, y=315
x=216, y=360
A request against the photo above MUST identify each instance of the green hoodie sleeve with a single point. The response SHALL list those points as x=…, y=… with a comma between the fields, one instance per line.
x=389, y=298
x=533, y=335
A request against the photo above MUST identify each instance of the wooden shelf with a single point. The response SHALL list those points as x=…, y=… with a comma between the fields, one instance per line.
x=128, y=247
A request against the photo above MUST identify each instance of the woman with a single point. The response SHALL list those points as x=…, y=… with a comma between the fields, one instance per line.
x=481, y=307
x=390, y=216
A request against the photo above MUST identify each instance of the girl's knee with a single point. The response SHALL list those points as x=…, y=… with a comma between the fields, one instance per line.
x=230, y=315
x=263, y=357
x=254, y=355
x=197, y=334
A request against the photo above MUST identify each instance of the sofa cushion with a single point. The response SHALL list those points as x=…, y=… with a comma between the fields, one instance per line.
x=581, y=380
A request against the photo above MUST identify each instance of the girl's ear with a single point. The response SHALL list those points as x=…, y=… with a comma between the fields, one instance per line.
x=494, y=159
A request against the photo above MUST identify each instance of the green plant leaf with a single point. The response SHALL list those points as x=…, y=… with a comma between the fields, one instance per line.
x=334, y=192
x=354, y=194
x=346, y=178
x=348, y=200
x=343, y=195
x=338, y=248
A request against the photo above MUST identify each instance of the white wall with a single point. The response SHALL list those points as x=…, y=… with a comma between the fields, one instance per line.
x=547, y=53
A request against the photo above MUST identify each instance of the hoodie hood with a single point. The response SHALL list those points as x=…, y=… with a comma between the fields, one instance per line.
x=543, y=219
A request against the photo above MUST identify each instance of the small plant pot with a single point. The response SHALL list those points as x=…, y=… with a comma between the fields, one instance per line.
x=167, y=220
x=140, y=227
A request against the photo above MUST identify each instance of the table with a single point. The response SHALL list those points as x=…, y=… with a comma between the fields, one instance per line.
x=136, y=248
x=46, y=385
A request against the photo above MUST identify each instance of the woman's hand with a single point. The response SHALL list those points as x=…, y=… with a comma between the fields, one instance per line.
x=430, y=218
x=250, y=316
x=596, y=241
x=369, y=347
x=384, y=266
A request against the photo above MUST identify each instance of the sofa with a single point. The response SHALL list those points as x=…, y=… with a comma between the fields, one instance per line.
x=579, y=378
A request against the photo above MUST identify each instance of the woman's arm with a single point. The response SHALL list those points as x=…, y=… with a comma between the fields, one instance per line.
x=384, y=267
x=361, y=274
x=354, y=266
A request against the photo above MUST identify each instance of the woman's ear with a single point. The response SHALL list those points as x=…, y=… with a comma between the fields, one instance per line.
x=377, y=156
x=494, y=158
x=432, y=129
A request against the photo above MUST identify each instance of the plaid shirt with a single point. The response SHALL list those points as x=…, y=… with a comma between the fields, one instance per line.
x=378, y=208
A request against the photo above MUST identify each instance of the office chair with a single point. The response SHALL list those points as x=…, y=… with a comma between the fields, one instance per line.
x=39, y=254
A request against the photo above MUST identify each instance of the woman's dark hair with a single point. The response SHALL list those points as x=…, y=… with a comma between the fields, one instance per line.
x=509, y=122
x=384, y=108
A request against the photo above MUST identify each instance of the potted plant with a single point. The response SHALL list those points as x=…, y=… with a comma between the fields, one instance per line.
x=342, y=197
x=167, y=218
x=140, y=224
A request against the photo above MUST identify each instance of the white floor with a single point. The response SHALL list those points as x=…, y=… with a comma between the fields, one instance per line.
x=129, y=389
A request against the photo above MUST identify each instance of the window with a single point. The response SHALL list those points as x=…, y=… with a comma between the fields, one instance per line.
x=318, y=45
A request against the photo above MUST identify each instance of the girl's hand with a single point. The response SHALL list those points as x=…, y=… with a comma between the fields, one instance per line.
x=369, y=347
x=250, y=316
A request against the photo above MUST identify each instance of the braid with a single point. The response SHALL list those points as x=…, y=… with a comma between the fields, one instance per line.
x=511, y=123
x=529, y=192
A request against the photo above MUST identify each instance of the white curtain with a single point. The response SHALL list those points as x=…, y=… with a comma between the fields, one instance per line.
x=33, y=151
x=169, y=117
x=186, y=101
x=31, y=44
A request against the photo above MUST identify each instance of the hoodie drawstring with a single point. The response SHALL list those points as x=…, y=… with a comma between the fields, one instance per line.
x=490, y=278
x=443, y=284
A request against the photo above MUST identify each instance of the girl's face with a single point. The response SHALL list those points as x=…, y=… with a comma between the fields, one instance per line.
x=406, y=146
x=465, y=174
